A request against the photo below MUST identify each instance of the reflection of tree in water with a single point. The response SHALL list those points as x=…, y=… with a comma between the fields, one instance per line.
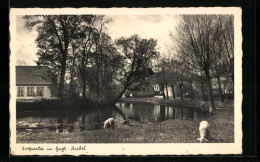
x=127, y=110
x=86, y=117
x=96, y=115
x=185, y=113
x=156, y=112
x=117, y=113
x=162, y=113
x=178, y=113
x=127, y=104
x=138, y=111
x=144, y=111
x=169, y=112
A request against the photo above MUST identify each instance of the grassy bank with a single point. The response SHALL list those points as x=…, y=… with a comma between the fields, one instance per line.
x=170, y=131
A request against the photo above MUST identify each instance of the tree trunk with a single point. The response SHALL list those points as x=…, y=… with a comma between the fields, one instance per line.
x=97, y=74
x=83, y=119
x=62, y=78
x=127, y=84
x=209, y=89
x=83, y=76
x=84, y=91
x=120, y=95
x=220, y=90
x=166, y=86
x=97, y=80
x=90, y=93
x=202, y=91
x=101, y=92
x=162, y=112
x=180, y=85
x=173, y=92
x=163, y=92
x=71, y=88
x=191, y=92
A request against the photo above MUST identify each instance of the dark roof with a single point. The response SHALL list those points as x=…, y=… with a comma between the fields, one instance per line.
x=32, y=75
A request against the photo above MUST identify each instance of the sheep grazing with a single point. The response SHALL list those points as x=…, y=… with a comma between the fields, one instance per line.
x=109, y=123
x=204, y=125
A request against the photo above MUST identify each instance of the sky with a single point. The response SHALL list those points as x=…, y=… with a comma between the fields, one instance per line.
x=146, y=26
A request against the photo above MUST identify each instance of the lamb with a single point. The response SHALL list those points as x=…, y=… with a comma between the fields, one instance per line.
x=109, y=123
x=204, y=125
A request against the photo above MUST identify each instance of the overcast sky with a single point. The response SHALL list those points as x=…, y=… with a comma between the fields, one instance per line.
x=152, y=26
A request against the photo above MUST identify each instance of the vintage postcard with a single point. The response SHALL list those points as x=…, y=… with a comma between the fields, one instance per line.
x=126, y=81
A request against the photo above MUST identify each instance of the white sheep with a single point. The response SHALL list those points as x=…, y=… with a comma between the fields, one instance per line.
x=204, y=125
x=109, y=123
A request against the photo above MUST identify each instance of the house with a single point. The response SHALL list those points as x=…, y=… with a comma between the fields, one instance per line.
x=156, y=85
x=159, y=89
x=144, y=90
x=34, y=82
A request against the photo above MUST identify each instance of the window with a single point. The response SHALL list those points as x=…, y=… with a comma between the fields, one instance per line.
x=30, y=91
x=39, y=91
x=20, y=91
x=156, y=87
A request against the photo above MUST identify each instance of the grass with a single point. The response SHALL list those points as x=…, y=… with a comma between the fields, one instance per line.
x=170, y=131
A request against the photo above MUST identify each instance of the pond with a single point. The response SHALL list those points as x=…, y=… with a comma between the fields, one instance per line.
x=93, y=118
x=153, y=112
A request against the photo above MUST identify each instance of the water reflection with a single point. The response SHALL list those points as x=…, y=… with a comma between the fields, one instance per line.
x=97, y=115
x=151, y=112
x=85, y=117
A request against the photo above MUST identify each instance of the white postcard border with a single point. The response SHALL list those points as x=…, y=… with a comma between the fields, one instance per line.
x=133, y=148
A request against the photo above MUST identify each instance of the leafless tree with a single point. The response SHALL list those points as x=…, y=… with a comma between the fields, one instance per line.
x=196, y=40
x=225, y=43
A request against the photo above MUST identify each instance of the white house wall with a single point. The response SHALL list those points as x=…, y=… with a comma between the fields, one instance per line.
x=169, y=91
x=46, y=93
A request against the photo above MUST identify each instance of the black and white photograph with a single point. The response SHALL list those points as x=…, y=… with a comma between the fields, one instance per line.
x=119, y=81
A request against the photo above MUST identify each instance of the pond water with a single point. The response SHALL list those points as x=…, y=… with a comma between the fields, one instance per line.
x=151, y=112
x=93, y=118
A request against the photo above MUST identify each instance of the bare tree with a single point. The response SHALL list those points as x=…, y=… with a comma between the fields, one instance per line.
x=225, y=44
x=160, y=75
x=217, y=72
x=199, y=77
x=197, y=37
x=181, y=75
